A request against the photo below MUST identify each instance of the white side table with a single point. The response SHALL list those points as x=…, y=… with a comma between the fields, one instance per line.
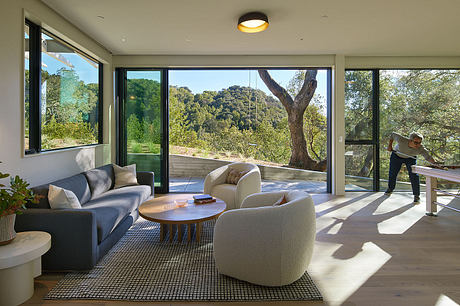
x=20, y=262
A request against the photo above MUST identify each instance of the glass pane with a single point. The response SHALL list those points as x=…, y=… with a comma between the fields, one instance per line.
x=426, y=101
x=26, y=87
x=221, y=116
x=70, y=89
x=143, y=115
x=358, y=105
x=359, y=167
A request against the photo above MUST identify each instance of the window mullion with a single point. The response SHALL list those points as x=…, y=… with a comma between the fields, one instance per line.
x=35, y=88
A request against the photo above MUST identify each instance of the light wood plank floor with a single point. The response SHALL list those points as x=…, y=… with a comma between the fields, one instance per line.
x=370, y=250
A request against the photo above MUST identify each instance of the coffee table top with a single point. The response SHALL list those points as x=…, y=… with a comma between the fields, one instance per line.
x=164, y=210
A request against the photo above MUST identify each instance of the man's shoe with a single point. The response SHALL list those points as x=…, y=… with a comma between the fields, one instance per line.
x=388, y=192
x=416, y=200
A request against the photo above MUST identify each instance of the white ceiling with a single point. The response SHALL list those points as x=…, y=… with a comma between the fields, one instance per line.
x=205, y=27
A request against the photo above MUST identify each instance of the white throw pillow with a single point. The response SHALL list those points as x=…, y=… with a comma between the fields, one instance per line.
x=125, y=176
x=62, y=198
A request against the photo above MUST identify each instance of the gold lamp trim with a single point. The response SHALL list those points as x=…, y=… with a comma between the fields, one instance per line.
x=253, y=22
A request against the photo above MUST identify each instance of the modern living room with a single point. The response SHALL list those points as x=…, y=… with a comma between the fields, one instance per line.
x=369, y=247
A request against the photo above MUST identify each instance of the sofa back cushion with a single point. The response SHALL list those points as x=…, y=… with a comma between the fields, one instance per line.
x=100, y=179
x=77, y=184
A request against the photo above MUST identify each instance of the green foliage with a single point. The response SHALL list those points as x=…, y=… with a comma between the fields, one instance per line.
x=154, y=148
x=238, y=119
x=135, y=130
x=14, y=197
x=70, y=116
x=64, y=134
x=135, y=147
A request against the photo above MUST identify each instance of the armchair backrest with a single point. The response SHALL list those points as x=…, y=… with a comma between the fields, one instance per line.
x=243, y=167
x=298, y=229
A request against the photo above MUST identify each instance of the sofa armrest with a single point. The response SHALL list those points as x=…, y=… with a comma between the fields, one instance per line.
x=73, y=236
x=146, y=178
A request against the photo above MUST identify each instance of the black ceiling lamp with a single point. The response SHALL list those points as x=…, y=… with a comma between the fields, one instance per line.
x=253, y=22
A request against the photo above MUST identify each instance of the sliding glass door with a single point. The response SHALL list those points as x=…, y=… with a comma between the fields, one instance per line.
x=142, y=122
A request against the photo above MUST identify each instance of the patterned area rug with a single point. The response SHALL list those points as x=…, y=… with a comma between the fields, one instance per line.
x=141, y=268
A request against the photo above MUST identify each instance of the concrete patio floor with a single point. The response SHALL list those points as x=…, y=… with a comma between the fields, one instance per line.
x=195, y=184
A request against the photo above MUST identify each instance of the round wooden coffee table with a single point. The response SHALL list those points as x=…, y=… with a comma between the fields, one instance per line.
x=170, y=216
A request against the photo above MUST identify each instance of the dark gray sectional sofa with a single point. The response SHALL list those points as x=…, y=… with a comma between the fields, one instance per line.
x=80, y=237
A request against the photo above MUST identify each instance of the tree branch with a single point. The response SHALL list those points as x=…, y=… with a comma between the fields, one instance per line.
x=276, y=89
x=307, y=91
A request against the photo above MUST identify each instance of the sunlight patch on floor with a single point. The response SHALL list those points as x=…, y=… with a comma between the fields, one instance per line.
x=330, y=272
x=445, y=301
x=400, y=223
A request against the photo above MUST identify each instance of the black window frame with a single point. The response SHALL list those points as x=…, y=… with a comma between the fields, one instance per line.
x=35, y=103
x=374, y=141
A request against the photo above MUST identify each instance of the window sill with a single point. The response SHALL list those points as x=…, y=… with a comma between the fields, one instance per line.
x=63, y=150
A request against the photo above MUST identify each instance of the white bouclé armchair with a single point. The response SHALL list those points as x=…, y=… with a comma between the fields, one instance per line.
x=233, y=195
x=265, y=244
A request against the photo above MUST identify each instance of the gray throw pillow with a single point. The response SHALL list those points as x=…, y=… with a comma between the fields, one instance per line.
x=100, y=179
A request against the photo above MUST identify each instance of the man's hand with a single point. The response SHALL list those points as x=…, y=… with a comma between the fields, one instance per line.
x=390, y=145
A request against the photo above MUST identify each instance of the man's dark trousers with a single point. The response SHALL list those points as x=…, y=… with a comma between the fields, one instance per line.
x=395, y=165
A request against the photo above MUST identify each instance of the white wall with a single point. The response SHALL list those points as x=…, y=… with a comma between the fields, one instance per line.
x=45, y=167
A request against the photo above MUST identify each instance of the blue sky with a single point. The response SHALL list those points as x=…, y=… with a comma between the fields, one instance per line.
x=86, y=72
x=201, y=80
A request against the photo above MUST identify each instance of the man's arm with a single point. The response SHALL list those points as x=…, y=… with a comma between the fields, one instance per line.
x=393, y=136
x=390, y=145
x=427, y=156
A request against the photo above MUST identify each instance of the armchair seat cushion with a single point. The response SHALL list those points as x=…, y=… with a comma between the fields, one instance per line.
x=114, y=205
x=225, y=192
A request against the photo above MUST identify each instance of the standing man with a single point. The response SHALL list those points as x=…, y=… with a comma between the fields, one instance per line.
x=405, y=152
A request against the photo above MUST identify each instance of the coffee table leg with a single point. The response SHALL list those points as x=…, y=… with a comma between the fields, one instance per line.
x=179, y=232
x=198, y=231
x=171, y=235
x=189, y=234
x=163, y=230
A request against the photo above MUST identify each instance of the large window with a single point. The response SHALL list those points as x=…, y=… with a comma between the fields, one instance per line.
x=249, y=115
x=62, y=94
x=379, y=102
x=426, y=101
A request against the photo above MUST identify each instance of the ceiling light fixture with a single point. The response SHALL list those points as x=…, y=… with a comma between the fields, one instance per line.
x=253, y=22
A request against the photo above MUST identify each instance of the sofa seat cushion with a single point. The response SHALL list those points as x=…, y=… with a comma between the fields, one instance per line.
x=113, y=206
x=225, y=192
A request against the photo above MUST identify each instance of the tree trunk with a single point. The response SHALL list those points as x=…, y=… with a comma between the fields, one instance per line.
x=367, y=165
x=300, y=158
